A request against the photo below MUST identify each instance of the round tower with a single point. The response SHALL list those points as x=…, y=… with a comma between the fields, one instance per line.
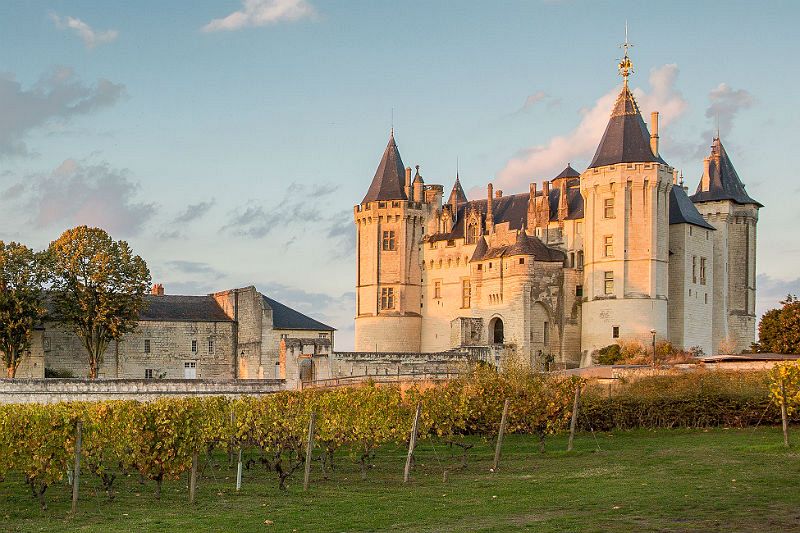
x=626, y=201
x=389, y=228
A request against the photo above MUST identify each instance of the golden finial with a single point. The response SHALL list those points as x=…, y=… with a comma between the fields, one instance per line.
x=625, y=65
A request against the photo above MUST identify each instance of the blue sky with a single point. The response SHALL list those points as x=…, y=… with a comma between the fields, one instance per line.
x=227, y=141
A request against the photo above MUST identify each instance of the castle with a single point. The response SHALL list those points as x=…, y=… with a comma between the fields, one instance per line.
x=619, y=252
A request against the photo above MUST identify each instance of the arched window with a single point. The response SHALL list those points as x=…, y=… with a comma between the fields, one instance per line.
x=496, y=331
x=472, y=233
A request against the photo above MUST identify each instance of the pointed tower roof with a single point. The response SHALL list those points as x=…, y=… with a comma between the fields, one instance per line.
x=389, y=179
x=720, y=180
x=480, y=249
x=457, y=196
x=568, y=172
x=626, y=139
x=526, y=245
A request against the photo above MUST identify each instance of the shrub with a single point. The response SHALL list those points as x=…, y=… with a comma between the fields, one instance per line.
x=610, y=355
x=58, y=373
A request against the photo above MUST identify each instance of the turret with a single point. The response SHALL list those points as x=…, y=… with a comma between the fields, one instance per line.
x=419, y=187
x=626, y=191
x=388, y=231
x=723, y=201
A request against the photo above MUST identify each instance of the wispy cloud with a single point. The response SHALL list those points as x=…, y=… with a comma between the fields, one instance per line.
x=300, y=205
x=725, y=104
x=256, y=13
x=545, y=160
x=58, y=96
x=87, y=34
x=193, y=212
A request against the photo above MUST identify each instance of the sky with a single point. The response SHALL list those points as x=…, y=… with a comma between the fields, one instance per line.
x=227, y=141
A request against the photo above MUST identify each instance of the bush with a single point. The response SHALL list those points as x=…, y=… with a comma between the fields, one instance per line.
x=610, y=355
x=58, y=373
x=682, y=400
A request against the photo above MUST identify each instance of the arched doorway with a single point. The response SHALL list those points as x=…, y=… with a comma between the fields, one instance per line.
x=496, y=331
x=540, y=325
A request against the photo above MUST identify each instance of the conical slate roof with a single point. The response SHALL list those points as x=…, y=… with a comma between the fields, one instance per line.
x=683, y=211
x=457, y=195
x=626, y=139
x=722, y=182
x=480, y=250
x=526, y=245
x=568, y=172
x=390, y=178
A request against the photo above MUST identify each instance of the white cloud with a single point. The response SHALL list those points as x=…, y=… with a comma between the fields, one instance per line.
x=256, y=13
x=57, y=96
x=726, y=104
x=89, y=36
x=546, y=160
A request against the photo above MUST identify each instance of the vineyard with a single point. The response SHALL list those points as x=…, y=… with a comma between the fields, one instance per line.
x=285, y=432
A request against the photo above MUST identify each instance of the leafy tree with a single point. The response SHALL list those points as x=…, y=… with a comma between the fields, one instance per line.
x=21, y=277
x=779, y=329
x=609, y=355
x=98, y=288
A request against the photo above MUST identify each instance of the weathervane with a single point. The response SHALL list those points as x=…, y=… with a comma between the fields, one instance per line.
x=626, y=65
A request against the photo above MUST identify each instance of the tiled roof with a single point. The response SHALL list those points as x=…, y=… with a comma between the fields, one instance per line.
x=626, y=139
x=683, y=211
x=389, y=180
x=723, y=180
x=176, y=308
x=284, y=317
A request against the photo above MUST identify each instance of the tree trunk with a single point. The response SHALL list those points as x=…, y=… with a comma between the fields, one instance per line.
x=11, y=371
x=159, y=480
x=92, y=367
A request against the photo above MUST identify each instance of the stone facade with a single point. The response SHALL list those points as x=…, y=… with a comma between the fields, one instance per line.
x=617, y=253
x=233, y=334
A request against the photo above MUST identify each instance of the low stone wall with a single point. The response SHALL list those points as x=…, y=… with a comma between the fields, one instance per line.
x=75, y=390
x=392, y=363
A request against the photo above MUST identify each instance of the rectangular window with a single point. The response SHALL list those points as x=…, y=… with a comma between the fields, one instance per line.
x=387, y=298
x=521, y=260
x=466, y=294
x=480, y=266
x=388, y=241
x=694, y=269
x=608, y=243
x=579, y=228
x=437, y=289
x=211, y=346
x=608, y=206
x=580, y=260
x=451, y=243
x=609, y=282
x=148, y=373
x=194, y=346
x=615, y=332
x=579, y=291
x=546, y=333
x=147, y=346
x=284, y=336
x=702, y=271
x=323, y=335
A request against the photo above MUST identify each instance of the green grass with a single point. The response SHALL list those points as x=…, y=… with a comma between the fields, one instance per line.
x=666, y=480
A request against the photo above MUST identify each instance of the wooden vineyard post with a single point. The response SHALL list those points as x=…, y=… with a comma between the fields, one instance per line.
x=193, y=478
x=784, y=415
x=412, y=444
x=503, y=421
x=239, y=472
x=309, y=447
x=76, y=475
x=574, y=421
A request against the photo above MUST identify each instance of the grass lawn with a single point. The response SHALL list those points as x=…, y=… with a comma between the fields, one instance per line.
x=666, y=480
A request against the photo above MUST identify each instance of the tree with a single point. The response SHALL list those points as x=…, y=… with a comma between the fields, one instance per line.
x=779, y=329
x=21, y=276
x=98, y=288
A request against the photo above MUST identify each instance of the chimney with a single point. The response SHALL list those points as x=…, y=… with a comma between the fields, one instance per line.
x=489, y=215
x=408, y=184
x=157, y=290
x=654, y=134
x=675, y=176
x=563, y=205
x=498, y=194
x=546, y=189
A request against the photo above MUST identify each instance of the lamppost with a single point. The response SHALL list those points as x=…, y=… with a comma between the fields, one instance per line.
x=653, y=333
